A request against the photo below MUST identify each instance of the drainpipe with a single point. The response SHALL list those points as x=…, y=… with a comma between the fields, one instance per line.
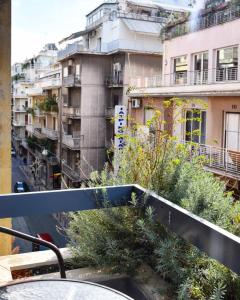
x=5, y=116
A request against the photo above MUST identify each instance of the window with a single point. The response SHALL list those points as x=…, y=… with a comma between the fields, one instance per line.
x=195, y=127
x=65, y=72
x=180, y=70
x=227, y=64
x=200, y=74
x=148, y=114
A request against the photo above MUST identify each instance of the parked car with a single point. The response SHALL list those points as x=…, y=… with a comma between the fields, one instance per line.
x=13, y=152
x=42, y=236
x=21, y=187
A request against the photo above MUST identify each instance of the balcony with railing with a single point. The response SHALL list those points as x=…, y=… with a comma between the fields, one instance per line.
x=208, y=82
x=207, y=20
x=207, y=237
x=146, y=82
x=72, y=80
x=51, y=83
x=74, y=175
x=50, y=133
x=72, y=141
x=114, y=81
x=19, y=123
x=71, y=112
x=219, y=160
x=19, y=109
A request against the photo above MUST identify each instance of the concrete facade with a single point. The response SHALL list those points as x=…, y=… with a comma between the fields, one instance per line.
x=5, y=115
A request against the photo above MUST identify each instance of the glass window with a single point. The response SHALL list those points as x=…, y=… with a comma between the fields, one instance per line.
x=65, y=72
x=195, y=127
x=227, y=64
x=180, y=70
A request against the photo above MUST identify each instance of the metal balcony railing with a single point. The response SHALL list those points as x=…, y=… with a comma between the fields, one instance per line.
x=72, y=80
x=19, y=109
x=207, y=237
x=73, y=112
x=18, y=123
x=203, y=22
x=115, y=81
x=217, y=158
x=72, y=141
x=74, y=175
x=146, y=82
x=226, y=74
x=203, y=77
x=50, y=133
x=142, y=17
x=179, y=78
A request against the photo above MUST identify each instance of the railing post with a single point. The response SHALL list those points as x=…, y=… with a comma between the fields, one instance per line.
x=225, y=158
x=210, y=156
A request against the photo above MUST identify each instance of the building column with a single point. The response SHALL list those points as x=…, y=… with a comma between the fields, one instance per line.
x=5, y=115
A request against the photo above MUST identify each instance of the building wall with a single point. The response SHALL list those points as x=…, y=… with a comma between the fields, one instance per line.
x=209, y=39
x=5, y=116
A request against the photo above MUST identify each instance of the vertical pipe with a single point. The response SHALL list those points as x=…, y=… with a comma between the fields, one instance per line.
x=5, y=114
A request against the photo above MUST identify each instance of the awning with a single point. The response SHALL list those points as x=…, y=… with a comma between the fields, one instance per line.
x=143, y=26
x=79, y=34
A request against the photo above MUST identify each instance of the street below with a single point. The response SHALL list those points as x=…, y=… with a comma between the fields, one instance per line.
x=36, y=224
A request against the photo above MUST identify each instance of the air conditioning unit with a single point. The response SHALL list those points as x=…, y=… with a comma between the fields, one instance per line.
x=136, y=103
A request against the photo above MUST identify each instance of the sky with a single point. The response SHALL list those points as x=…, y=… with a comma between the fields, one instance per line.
x=37, y=22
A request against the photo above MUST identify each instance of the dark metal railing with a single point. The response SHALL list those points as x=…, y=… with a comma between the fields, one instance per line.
x=37, y=241
x=207, y=237
x=202, y=22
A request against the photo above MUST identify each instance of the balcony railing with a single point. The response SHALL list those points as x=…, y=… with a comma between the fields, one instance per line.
x=218, y=158
x=19, y=109
x=74, y=175
x=36, y=91
x=69, y=50
x=35, y=129
x=72, y=141
x=18, y=123
x=203, y=22
x=50, y=83
x=142, y=17
x=211, y=76
x=146, y=82
x=115, y=81
x=50, y=133
x=72, y=112
x=72, y=80
x=207, y=237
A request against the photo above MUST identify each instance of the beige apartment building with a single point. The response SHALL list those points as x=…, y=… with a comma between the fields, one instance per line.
x=201, y=62
x=36, y=92
x=120, y=41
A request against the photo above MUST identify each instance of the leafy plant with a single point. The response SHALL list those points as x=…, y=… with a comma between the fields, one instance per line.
x=124, y=238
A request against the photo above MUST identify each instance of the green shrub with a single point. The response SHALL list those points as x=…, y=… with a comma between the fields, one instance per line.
x=124, y=238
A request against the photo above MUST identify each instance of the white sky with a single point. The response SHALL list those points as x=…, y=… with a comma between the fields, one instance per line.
x=37, y=22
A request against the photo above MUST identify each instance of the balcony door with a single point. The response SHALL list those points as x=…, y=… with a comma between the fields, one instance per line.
x=232, y=131
x=195, y=126
x=180, y=67
x=227, y=64
x=200, y=73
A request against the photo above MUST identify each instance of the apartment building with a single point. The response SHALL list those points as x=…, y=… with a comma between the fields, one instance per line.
x=201, y=62
x=36, y=91
x=120, y=41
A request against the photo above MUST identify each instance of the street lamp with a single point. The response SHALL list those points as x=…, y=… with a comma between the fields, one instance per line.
x=45, y=154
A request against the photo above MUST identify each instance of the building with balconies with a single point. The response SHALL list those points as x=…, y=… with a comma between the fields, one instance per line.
x=120, y=41
x=201, y=64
